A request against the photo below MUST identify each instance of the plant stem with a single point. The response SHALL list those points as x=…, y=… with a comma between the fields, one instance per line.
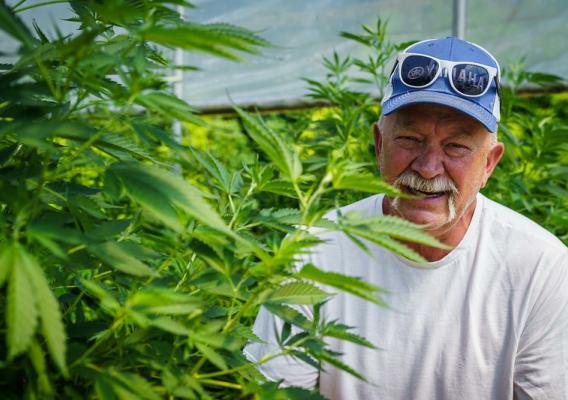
x=221, y=384
x=254, y=364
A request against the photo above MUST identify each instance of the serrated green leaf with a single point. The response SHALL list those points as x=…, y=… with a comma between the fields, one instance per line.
x=346, y=283
x=37, y=359
x=108, y=302
x=215, y=168
x=289, y=314
x=170, y=325
x=364, y=182
x=283, y=188
x=393, y=245
x=214, y=39
x=212, y=356
x=119, y=257
x=155, y=202
x=52, y=328
x=135, y=384
x=271, y=391
x=342, y=332
x=14, y=27
x=170, y=189
x=21, y=311
x=329, y=359
x=385, y=230
x=163, y=301
x=6, y=262
x=103, y=388
x=168, y=105
x=285, y=157
x=123, y=147
x=296, y=293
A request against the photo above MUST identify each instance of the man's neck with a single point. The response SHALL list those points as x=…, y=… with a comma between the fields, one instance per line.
x=450, y=235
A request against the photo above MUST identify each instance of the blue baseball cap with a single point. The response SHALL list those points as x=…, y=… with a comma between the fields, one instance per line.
x=451, y=72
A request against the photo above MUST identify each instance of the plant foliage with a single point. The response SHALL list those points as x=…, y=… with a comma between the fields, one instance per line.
x=132, y=265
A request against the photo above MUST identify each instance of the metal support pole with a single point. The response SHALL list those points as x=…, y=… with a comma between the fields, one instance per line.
x=458, y=28
x=178, y=83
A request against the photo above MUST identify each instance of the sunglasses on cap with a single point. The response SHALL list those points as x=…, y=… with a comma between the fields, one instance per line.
x=466, y=78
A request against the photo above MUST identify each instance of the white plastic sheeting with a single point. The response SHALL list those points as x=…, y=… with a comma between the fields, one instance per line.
x=302, y=32
x=305, y=31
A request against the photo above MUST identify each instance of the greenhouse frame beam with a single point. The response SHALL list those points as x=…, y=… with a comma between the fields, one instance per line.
x=179, y=78
x=459, y=19
x=278, y=106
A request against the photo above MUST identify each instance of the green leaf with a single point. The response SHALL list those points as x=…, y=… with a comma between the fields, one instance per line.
x=341, y=331
x=285, y=157
x=271, y=391
x=216, y=358
x=21, y=311
x=108, y=302
x=393, y=245
x=346, y=283
x=278, y=186
x=103, y=388
x=289, y=314
x=215, y=168
x=52, y=327
x=163, y=301
x=168, y=105
x=120, y=258
x=364, y=182
x=6, y=262
x=217, y=39
x=14, y=26
x=170, y=325
x=328, y=358
x=296, y=293
x=155, y=202
x=37, y=359
x=135, y=384
x=384, y=230
x=169, y=189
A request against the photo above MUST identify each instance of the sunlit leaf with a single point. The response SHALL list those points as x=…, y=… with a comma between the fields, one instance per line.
x=52, y=327
x=296, y=293
x=349, y=284
x=119, y=257
x=21, y=310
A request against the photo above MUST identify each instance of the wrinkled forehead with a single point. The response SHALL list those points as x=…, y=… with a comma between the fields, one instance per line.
x=417, y=117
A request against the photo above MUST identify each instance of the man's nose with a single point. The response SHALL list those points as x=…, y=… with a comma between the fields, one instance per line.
x=429, y=163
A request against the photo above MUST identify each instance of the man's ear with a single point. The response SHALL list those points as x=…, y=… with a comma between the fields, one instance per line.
x=493, y=158
x=378, y=140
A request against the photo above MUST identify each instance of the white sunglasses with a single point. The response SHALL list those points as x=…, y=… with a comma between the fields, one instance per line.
x=466, y=78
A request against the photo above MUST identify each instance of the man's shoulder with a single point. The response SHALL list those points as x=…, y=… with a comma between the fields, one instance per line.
x=511, y=226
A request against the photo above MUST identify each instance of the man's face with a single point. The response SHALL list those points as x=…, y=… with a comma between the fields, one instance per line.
x=439, y=153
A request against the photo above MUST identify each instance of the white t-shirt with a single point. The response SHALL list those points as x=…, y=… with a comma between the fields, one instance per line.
x=487, y=321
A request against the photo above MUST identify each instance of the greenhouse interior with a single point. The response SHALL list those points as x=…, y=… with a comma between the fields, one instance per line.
x=326, y=199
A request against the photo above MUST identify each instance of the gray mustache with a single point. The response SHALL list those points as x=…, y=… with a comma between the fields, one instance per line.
x=414, y=181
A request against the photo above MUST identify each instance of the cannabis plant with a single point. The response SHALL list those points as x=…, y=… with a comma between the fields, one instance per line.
x=132, y=265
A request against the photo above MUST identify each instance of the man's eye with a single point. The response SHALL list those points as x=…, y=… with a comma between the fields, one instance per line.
x=457, y=149
x=409, y=139
x=457, y=146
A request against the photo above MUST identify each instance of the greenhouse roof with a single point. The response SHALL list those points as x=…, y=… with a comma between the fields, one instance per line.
x=303, y=32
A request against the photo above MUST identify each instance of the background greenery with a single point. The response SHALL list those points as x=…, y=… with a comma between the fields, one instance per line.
x=132, y=266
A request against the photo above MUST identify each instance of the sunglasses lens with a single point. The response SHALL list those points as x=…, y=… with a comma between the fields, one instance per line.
x=471, y=80
x=418, y=71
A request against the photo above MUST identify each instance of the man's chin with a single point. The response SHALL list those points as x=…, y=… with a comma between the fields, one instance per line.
x=429, y=220
x=423, y=213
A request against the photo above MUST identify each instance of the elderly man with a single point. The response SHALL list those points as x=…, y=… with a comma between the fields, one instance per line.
x=485, y=320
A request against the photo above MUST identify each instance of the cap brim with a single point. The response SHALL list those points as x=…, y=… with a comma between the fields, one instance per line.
x=460, y=104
